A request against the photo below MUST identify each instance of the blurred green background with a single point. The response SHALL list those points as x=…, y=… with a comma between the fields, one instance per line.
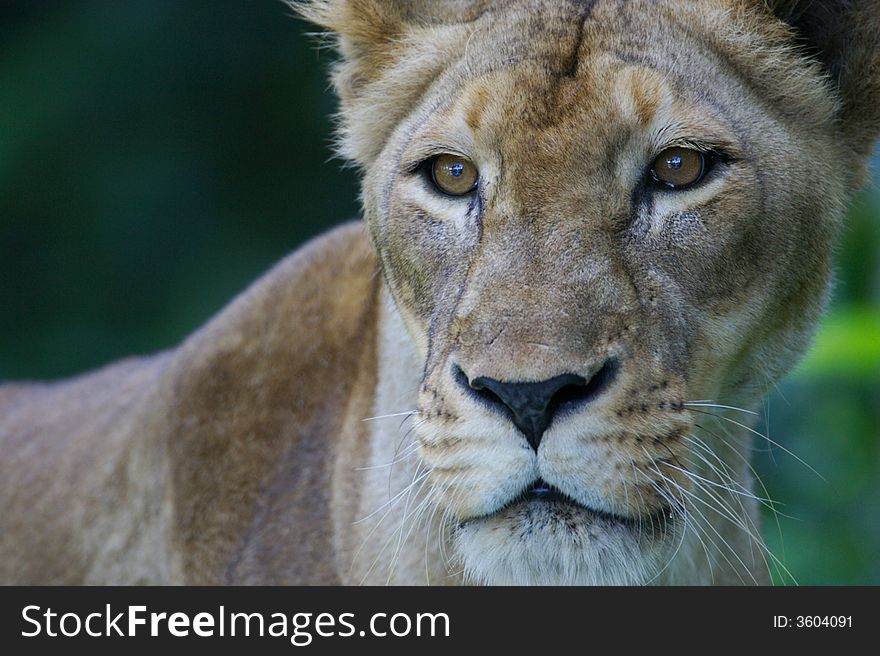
x=157, y=157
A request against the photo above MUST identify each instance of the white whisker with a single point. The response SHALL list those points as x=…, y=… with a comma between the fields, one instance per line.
x=764, y=437
x=408, y=453
x=409, y=413
x=392, y=499
x=706, y=404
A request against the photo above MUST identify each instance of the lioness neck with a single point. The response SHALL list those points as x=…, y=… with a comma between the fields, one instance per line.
x=385, y=527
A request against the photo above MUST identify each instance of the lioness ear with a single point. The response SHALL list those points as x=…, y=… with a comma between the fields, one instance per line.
x=373, y=22
x=844, y=35
x=375, y=37
x=363, y=27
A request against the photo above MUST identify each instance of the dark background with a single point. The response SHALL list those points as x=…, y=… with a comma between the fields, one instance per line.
x=157, y=157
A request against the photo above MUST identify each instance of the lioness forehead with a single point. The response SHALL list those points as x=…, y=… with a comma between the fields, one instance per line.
x=562, y=52
x=552, y=61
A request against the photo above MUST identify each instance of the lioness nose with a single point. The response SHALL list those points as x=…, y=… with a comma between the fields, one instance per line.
x=531, y=406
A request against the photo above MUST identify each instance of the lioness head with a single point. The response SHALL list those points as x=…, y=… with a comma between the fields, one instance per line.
x=608, y=227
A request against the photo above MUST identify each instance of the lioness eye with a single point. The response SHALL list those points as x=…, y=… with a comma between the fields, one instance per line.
x=454, y=175
x=679, y=167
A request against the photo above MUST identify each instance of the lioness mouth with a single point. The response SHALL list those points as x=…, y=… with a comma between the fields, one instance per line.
x=543, y=492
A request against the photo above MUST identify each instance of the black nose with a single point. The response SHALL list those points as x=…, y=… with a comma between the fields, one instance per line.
x=531, y=406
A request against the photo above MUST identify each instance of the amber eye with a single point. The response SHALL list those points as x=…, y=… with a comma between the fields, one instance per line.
x=679, y=167
x=453, y=175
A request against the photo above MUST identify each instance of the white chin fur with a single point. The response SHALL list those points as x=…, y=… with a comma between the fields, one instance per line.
x=531, y=544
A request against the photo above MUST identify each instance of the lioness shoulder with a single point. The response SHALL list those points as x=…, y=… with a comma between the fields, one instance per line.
x=121, y=475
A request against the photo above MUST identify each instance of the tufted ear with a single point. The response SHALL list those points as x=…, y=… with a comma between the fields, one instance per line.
x=371, y=22
x=844, y=35
x=388, y=50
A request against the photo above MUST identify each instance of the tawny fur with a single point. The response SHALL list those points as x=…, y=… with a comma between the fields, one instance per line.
x=315, y=430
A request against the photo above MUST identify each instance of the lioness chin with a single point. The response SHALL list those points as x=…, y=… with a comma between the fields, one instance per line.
x=595, y=233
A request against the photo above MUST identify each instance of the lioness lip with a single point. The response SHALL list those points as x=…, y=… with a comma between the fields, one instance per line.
x=541, y=491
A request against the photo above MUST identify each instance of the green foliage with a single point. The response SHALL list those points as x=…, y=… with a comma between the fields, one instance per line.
x=848, y=346
x=828, y=414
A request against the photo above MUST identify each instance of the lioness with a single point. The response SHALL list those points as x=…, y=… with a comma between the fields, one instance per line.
x=595, y=232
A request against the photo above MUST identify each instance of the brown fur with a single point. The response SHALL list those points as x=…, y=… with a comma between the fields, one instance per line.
x=242, y=457
x=198, y=465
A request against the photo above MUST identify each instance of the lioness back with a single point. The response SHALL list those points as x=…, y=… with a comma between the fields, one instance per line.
x=67, y=450
x=177, y=467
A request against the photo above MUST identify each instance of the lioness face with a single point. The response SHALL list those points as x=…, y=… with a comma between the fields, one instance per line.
x=596, y=219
